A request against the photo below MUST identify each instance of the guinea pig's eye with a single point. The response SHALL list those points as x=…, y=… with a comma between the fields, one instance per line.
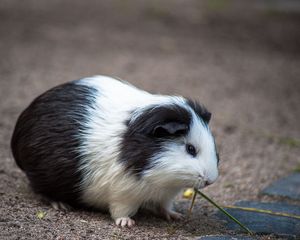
x=191, y=150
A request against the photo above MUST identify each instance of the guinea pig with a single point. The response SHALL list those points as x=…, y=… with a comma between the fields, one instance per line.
x=102, y=143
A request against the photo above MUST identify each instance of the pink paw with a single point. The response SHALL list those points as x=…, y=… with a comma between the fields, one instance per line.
x=125, y=221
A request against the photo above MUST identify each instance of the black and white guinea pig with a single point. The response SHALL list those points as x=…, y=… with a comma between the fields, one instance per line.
x=102, y=143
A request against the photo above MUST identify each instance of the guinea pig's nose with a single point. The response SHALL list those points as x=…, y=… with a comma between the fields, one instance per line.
x=206, y=183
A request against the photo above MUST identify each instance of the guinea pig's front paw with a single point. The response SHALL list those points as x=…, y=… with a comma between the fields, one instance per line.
x=172, y=215
x=125, y=221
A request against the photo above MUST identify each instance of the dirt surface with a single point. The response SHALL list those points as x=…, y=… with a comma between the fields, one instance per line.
x=242, y=61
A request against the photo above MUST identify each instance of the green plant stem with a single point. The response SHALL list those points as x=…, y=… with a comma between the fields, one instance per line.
x=224, y=211
x=192, y=203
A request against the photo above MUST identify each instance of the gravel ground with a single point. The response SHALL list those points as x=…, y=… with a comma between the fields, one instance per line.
x=242, y=61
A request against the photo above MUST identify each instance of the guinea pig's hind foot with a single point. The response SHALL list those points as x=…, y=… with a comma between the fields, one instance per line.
x=125, y=221
x=60, y=206
x=171, y=215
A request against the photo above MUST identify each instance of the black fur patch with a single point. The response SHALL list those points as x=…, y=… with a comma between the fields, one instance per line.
x=201, y=111
x=141, y=141
x=45, y=141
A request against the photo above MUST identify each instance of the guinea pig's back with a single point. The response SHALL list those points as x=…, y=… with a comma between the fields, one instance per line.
x=47, y=139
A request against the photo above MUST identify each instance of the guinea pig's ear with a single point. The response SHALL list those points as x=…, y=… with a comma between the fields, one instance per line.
x=206, y=116
x=200, y=110
x=160, y=121
x=169, y=129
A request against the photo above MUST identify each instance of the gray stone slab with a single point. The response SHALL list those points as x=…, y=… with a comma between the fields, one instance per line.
x=263, y=223
x=285, y=187
x=280, y=5
x=225, y=237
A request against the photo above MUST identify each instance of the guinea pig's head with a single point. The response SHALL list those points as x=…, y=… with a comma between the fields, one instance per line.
x=171, y=145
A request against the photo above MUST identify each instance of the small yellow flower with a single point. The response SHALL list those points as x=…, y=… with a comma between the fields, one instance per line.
x=40, y=214
x=188, y=193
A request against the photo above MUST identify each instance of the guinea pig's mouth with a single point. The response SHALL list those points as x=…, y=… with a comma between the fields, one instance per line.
x=201, y=183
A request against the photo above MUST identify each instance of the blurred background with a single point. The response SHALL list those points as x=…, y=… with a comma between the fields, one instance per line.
x=238, y=58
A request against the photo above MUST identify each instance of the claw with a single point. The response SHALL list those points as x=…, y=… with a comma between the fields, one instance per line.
x=60, y=206
x=172, y=215
x=125, y=221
